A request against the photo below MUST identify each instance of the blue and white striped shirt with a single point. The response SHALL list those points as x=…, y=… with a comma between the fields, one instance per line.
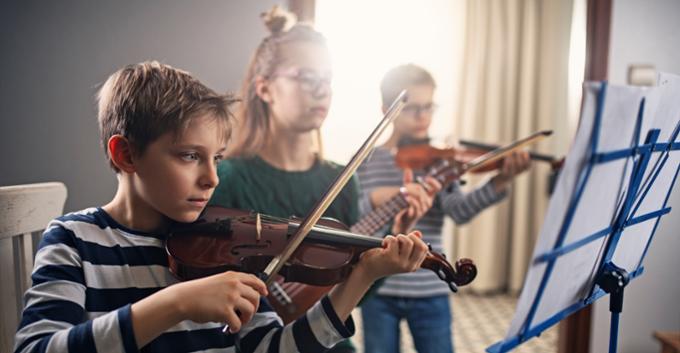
x=380, y=171
x=89, y=270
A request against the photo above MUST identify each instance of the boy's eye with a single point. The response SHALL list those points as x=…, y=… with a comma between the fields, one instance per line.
x=218, y=158
x=190, y=156
x=307, y=78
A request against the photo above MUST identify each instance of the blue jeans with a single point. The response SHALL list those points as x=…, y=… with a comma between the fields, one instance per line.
x=429, y=320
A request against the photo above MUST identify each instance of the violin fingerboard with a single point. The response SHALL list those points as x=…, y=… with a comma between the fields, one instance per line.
x=372, y=222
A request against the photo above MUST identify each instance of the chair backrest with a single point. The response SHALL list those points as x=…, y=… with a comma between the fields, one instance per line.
x=24, y=211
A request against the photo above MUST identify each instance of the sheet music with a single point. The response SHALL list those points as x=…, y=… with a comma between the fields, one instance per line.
x=662, y=112
x=572, y=275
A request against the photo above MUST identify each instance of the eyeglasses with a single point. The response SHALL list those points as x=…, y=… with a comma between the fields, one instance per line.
x=414, y=110
x=308, y=80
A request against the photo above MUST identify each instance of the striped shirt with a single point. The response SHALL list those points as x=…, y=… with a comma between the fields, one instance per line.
x=380, y=171
x=89, y=270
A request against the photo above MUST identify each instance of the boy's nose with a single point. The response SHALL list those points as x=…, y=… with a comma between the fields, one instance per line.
x=209, y=178
x=321, y=90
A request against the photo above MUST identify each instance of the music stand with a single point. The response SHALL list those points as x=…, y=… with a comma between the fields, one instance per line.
x=610, y=196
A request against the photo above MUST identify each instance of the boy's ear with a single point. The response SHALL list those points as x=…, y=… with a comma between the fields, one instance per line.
x=120, y=152
x=262, y=89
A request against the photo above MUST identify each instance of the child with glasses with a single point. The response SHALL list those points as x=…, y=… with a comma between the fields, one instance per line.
x=420, y=297
x=274, y=165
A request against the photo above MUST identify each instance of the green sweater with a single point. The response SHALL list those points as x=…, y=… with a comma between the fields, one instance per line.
x=253, y=184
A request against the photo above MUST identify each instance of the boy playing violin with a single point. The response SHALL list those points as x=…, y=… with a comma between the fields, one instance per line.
x=419, y=297
x=101, y=281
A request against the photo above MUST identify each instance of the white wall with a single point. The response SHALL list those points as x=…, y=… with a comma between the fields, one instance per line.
x=53, y=55
x=646, y=32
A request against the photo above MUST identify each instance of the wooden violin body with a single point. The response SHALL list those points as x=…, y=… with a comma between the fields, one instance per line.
x=234, y=240
x=229, y=240
x=422, y=156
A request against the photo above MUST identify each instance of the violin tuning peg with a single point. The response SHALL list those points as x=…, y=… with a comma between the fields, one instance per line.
x=429, y=246
x=462, y=182
x=453, y=287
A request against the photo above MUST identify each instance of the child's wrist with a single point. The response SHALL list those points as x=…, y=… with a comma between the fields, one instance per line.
x=362, y=274
x=176, y=303
x=155, y=314
x=500, y=183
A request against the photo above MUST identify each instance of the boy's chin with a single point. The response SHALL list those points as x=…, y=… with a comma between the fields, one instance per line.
x=186, y=217
x=416, y=135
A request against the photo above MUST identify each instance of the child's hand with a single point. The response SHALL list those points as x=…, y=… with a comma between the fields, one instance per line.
x=401, y=253
x=514, y=164
x=419, y=198
x=230, y=297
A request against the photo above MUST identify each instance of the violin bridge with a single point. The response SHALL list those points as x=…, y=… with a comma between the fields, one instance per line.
x=258, y=227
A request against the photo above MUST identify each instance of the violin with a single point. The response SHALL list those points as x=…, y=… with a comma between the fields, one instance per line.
x=234, y=240
x=421, y=155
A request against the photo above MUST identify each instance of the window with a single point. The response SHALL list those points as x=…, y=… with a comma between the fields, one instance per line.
x=367, y=38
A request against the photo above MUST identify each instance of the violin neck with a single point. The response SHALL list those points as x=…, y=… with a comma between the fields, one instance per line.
x=332, y=236
x=372, y=222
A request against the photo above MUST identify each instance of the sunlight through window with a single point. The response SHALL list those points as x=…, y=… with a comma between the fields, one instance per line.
x=367, y=38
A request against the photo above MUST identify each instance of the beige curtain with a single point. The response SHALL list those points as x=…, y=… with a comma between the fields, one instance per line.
x=514, y=82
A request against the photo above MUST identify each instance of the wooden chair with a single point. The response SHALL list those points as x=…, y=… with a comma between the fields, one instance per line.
x=25, y=210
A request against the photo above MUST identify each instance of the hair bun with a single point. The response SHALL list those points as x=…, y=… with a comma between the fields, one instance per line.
x=278, y=20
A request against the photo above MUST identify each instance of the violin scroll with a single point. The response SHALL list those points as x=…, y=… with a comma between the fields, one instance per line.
x=464, y=272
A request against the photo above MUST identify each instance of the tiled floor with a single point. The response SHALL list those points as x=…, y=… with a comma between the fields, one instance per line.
x=479, y=321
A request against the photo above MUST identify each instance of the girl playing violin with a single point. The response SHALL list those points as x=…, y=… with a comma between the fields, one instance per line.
x=273, y=166
x=419, y=297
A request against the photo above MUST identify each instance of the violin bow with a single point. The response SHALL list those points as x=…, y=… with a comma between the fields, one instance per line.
x=333, y=190
x=490, y=147
x=503, y=151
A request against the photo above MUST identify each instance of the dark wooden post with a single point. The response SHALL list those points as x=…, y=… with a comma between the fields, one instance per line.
x=574, y=332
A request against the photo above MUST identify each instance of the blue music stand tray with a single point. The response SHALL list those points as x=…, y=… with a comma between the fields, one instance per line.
x=635, y=213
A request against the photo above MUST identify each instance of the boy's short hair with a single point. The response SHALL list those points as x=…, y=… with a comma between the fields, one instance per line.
x=400, y=77
x=144, y=101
